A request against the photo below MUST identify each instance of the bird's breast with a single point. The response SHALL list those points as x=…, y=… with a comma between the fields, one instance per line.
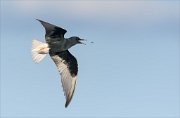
x=57, y=46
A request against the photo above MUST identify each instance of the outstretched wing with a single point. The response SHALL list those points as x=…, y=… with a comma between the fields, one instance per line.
x=68, y=68
x=53, y=32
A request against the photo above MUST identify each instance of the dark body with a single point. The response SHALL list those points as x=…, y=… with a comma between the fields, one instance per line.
x=64, y=60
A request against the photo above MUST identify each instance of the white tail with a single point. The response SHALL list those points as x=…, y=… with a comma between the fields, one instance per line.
x=39, y=50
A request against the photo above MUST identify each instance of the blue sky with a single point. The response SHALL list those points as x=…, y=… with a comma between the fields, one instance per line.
x=131, y=69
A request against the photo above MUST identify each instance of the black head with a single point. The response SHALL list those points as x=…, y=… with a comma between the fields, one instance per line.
x=78, y=40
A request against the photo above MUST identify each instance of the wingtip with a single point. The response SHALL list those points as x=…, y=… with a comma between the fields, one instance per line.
x=67, y=103
x=39, y=20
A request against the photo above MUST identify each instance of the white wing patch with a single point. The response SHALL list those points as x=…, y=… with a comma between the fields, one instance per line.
x=68, y=82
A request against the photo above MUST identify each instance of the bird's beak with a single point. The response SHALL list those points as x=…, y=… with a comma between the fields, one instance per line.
x=81, y=41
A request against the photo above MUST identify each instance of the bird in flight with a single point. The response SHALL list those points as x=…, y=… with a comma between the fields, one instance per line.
x=57, y=46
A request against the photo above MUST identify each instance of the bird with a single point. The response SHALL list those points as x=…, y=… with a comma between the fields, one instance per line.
x=57, y=46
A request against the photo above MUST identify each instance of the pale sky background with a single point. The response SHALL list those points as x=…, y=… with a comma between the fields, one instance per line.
x=131, y=70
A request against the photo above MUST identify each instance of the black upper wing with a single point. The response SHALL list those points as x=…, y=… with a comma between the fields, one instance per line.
x=53, y=32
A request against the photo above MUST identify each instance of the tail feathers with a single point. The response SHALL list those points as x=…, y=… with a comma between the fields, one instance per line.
x=37, y=58
x=39, y=51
